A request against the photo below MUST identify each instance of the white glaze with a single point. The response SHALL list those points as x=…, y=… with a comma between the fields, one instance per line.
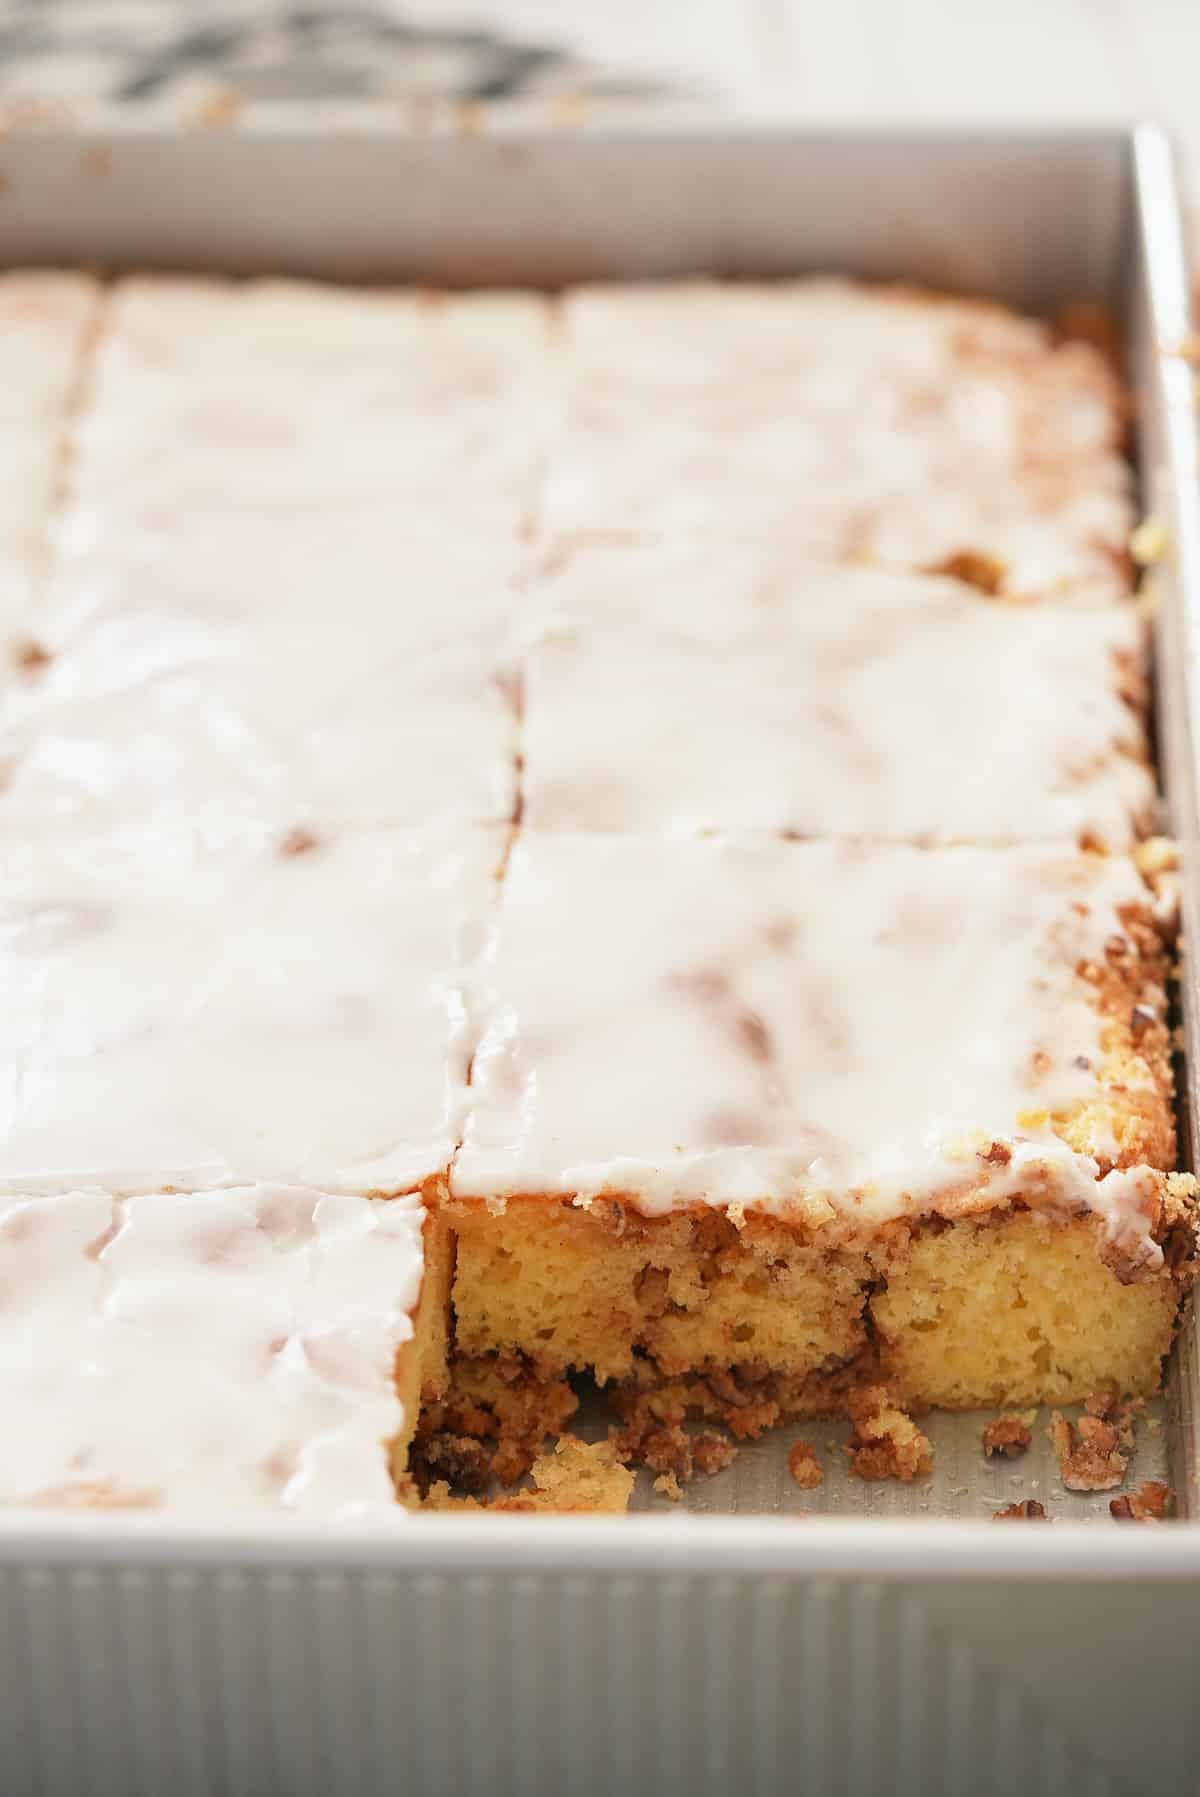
x=255, y=606
x=283, y=396
x=314, y=680
x=43, y=323
x=212, y=1353
x=290, y=1017
x=694, y=687
x=840, y=1026
x=846, y=419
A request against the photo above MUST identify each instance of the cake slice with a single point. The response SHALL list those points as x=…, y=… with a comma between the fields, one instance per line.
x=868, y=422
x=816, y=1112
x=257, y=1350
x=693, y=687
x=293, y=1017
x=45, y=323
x=254, y=608
x=276, y=396
x=336, y=678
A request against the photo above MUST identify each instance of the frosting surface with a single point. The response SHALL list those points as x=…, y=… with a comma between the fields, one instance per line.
x=221, y=692
x=44, y=319
x=837, y=1026
x=862, y=423
x=211, y=1352
x=297, y=1017
x=273, y=396
x=253, y=607
x=697, y=687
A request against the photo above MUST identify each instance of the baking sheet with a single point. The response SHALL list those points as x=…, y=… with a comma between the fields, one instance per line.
x=1038, y=220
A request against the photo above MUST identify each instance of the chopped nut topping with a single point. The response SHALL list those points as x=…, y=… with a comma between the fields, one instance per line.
x=1089, y=1455
x=1148, y=542
x=1151, y=1502
x=31, y=657
x=1028, y=1510
x=1140, y=1020
x=1007, y=1436
x=886, y=1443
x=804, y=1466
x=298, y=842
x=983, y=572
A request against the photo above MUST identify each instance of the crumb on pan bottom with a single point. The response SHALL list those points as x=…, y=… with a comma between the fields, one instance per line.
x=575, y=1477
x=1012, y=1309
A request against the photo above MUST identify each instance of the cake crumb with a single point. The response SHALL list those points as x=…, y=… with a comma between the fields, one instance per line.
x=460, y=1462
x=804, y=1466
x=885, y=1443
x=711, y=1453
x=1089, y=1455
x=1008, y=1436
x=1152, y=1501
x=653, y=1433
x=1028, y=1510
x=1127, y=1417
x=668, y=1486
x=491, y=1424
x=576, y=1478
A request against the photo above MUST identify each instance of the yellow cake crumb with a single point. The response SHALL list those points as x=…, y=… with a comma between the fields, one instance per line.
x=886, y=1443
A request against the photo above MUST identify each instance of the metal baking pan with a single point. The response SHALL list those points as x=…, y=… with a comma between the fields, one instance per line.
x=902, y=1644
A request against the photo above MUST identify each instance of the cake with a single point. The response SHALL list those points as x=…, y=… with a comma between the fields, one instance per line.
x=805, y=1107
x=693, y=687
x=876, y=424
x=294, y=1017
x=230, y=1091
x=255, y=1350
x=240, y=396
x=240, y=463
x=602, y=834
